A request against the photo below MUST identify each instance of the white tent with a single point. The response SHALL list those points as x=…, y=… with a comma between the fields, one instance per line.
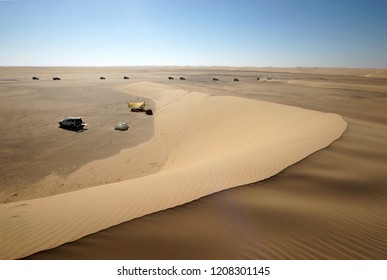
x=121, y=126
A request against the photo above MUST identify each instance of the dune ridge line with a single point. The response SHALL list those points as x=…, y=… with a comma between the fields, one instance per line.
x=210, y=143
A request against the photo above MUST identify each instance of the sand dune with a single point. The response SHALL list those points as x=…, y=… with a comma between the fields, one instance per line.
x=202, y=144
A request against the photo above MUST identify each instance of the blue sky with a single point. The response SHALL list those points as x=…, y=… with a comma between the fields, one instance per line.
x=279, y=33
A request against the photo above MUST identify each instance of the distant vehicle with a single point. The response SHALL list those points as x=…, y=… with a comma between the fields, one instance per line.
x=258, y=79
x=170, y=78
x=72, y=123
x=215, y=79
x=102, y=78
x=126, y=78
x=236, y=80
x=182, y=78
x=35, y=78
x=56, y=78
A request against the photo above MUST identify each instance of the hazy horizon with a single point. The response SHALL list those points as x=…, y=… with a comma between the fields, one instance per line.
x=115, y=33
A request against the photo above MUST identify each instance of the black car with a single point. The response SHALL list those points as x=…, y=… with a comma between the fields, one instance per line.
x=72, y=123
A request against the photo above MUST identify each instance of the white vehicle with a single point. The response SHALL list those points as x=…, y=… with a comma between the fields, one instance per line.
x=73, y=122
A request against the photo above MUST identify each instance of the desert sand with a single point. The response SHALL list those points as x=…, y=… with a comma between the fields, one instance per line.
x=217, y=149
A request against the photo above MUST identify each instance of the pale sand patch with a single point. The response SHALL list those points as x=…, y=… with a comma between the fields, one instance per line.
x=208, y=144
x=340, y=85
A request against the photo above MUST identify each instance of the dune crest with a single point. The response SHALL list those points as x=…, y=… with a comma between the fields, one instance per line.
x=208, y=144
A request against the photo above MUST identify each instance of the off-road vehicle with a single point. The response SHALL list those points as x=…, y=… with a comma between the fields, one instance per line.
x=73, y=123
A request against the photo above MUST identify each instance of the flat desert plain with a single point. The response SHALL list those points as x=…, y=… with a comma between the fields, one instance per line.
x=290, y=166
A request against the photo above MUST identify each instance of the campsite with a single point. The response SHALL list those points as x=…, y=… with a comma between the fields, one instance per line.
x=42, y=161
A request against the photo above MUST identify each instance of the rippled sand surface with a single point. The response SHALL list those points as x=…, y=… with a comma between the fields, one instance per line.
x=330, y=205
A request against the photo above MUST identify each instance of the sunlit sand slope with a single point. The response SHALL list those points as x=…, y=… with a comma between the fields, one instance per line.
x=210, y=143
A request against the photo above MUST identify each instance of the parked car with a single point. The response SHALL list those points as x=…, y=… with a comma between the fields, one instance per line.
x=73, y=123
x=56, y=78
x=35, y=78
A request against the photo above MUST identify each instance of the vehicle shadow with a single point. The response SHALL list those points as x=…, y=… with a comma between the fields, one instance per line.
x=74, y=129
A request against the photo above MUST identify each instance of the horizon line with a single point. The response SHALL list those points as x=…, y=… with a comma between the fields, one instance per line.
x=184, y=66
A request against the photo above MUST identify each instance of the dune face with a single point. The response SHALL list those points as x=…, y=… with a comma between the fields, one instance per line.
x=202, y=143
